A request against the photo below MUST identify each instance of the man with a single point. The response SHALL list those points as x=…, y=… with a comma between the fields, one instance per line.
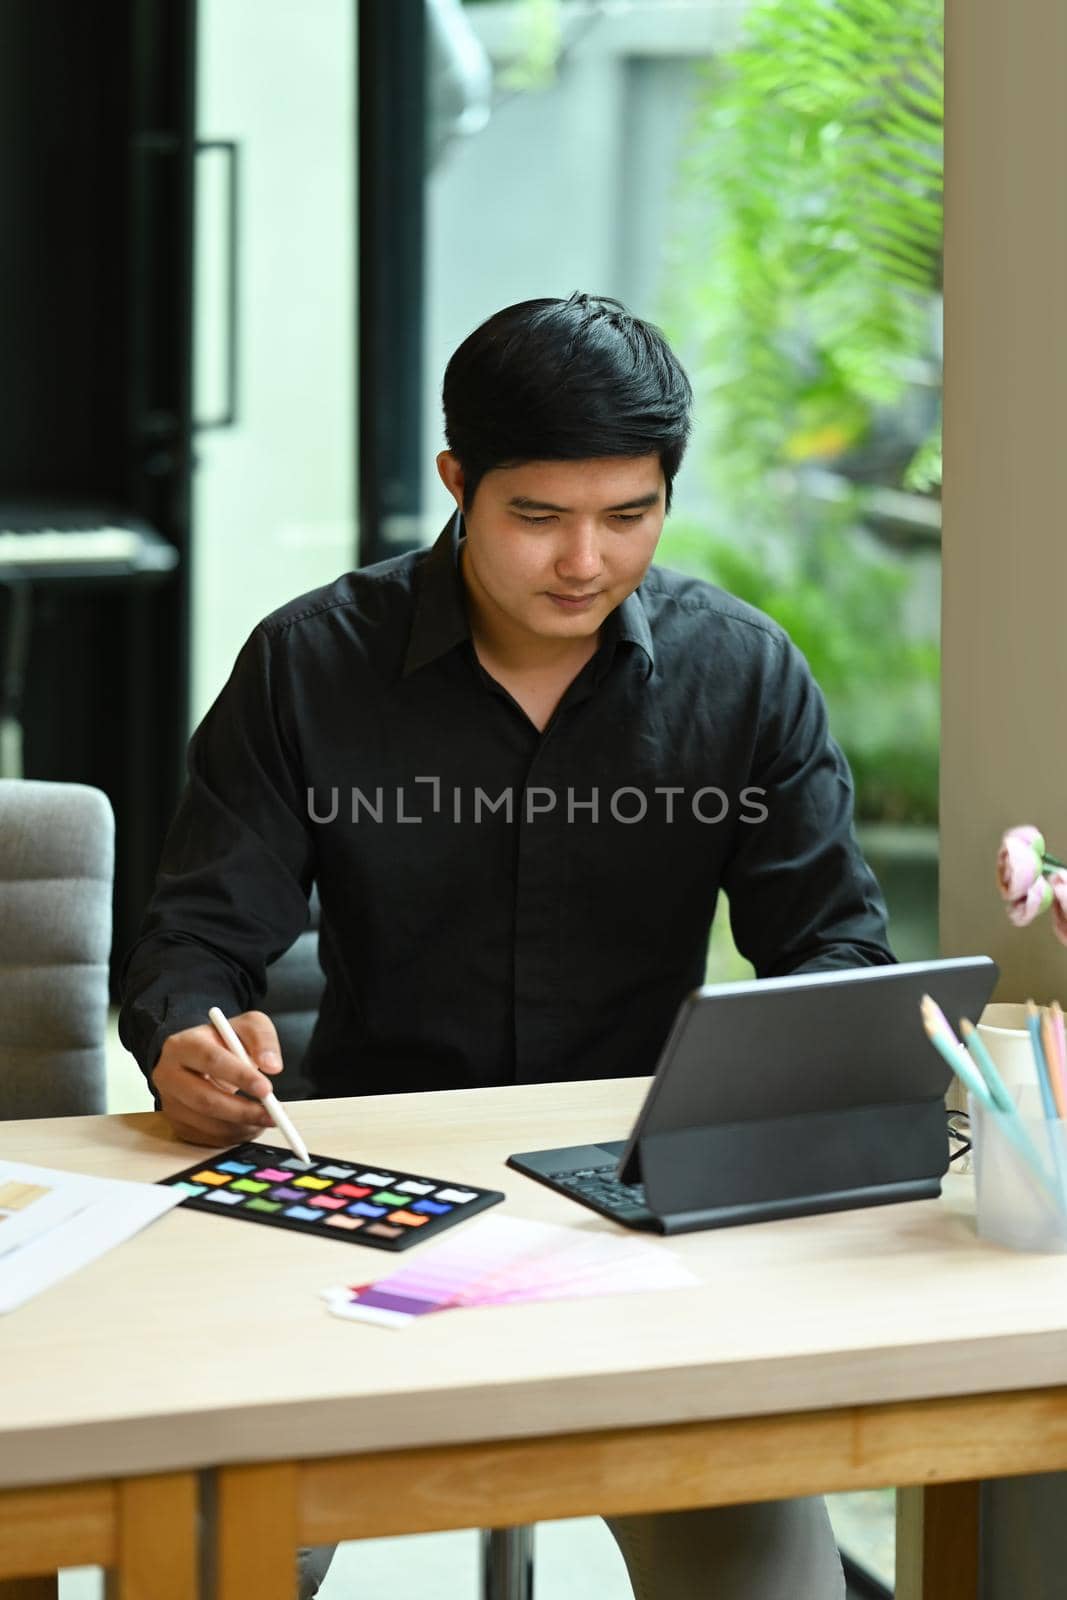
x=519, y=767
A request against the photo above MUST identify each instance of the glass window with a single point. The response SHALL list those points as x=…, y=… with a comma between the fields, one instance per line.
x=762, y=180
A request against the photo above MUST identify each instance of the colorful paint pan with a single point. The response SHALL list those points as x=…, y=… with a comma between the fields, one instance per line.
x=332, y=1198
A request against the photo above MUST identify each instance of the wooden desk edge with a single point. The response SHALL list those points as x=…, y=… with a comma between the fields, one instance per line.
x=505, y=1482
x=194, y=1441
x=262, y=1511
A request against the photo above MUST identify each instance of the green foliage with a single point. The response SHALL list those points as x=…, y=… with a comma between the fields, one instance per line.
x=812, y=184
x=819, y=144
x=844, y=608
x=924, y=470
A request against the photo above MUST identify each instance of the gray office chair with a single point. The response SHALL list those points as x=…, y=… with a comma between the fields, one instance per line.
x=57, y=855
x=294, y=988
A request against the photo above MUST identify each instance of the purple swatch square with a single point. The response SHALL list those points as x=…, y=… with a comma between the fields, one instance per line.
x=396, y=1302
x=288, y=1194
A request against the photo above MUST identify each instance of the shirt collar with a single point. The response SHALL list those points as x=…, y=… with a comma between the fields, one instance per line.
x=440, y=617
x=440, y=620
x=629, y=622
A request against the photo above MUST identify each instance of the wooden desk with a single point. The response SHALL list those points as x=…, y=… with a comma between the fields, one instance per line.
x=886, y=1346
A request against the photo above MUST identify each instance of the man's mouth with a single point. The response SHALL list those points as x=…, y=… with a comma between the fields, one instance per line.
x=574, y=602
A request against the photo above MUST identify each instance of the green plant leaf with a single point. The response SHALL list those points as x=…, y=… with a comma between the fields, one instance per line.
x=815, y=149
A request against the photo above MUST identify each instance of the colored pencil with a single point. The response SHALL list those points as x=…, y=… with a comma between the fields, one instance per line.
x=986, y=1066
x=1048, y=1100
x=941, y=1036
x=1051, y=1046
x=1060, y=1035
x=1044, y=1082
x=1007, y=1114
x=1056, y=1012
x=949, y=1047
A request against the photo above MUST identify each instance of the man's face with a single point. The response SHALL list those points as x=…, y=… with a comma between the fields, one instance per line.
x=554, y=546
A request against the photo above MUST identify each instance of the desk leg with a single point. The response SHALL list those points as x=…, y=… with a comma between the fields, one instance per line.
x=156, y=1539
x=250, y=1533
x=937, y=1542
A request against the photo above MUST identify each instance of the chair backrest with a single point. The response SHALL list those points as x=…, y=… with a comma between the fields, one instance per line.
x=294, y=989
x=57, y=858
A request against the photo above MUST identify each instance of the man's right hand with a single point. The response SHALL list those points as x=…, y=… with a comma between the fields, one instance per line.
x=196, y=1079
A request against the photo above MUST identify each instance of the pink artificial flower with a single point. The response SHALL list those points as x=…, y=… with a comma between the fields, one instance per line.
x=1037, y=898
x=1019, y=862
x=1057, y=882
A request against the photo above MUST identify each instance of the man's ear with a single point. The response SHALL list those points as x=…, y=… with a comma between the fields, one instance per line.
x=451, y=474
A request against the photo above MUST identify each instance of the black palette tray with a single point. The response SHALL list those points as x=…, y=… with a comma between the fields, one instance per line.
x=332, y=1198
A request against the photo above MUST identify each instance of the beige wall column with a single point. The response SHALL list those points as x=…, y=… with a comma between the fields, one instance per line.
x=1004, y=606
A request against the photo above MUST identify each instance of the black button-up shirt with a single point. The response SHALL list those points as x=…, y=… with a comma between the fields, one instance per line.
x=499, y=904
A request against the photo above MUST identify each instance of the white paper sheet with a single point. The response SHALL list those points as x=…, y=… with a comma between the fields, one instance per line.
x=45, y=1237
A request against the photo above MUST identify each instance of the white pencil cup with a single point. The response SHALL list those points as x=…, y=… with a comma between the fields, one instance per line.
x=1015, y=1206
x=1002, y=1029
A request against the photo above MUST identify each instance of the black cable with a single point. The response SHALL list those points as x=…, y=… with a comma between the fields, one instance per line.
x=959, y=1129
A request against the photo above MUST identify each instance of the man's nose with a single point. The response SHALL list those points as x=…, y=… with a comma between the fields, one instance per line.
x=579, y=560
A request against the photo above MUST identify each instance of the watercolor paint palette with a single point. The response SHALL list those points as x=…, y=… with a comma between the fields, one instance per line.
x=352, y=1200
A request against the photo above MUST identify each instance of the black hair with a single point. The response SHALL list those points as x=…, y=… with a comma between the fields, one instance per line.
x=564, y=380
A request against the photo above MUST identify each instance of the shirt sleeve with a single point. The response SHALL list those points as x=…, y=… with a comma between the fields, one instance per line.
x=802, y=898
x=232, y=890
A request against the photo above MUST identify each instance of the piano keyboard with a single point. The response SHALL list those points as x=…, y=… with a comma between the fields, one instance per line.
x=79, y=542
x=50, y=545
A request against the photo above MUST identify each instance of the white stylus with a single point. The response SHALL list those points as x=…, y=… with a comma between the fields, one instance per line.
x=270, y=1102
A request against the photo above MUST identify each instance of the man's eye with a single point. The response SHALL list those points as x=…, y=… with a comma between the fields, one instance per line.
x=619, y=516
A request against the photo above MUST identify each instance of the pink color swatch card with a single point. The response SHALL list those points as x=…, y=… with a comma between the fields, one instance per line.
x=505, y=1260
